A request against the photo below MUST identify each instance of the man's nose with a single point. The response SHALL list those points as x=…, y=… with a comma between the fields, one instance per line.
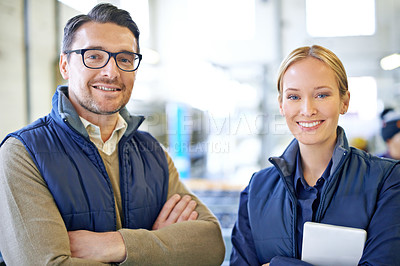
x=111, y=69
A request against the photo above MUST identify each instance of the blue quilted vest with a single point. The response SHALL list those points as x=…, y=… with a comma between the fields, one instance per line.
x=76, y=176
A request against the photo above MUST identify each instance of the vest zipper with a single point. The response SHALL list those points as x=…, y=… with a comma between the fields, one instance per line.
x=101, y=164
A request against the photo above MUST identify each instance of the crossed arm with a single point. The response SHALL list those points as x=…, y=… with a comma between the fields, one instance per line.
x=110, y=247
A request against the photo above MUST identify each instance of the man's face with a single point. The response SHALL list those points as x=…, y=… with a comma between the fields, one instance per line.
x=394, y=146
x=102, y=91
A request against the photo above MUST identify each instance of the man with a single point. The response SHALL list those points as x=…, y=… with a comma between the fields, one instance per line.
x=82, y=185
x=391, y=133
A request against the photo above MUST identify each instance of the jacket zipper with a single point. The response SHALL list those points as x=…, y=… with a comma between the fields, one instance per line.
x=328, y=187
x=294, y=207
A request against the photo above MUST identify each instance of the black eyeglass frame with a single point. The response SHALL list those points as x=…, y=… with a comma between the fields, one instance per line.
x=114, y=55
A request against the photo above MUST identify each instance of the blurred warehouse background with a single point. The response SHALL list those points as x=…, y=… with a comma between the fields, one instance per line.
x=207, y=80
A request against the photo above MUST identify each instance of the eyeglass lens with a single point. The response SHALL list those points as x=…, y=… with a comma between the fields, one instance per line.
x=99, y=58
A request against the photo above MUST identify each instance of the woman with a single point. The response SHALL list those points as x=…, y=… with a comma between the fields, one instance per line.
x=319, y=177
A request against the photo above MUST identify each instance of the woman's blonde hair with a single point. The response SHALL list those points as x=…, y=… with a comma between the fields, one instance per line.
x=321, y=53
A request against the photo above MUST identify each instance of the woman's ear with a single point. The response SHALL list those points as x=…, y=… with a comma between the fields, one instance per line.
x=64, y=67
x=345, y=103
x=280, y=105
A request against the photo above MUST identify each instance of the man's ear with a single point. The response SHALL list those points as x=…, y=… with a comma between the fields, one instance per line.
x=64, y=67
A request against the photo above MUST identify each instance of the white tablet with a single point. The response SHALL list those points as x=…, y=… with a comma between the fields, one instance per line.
x=326, y=245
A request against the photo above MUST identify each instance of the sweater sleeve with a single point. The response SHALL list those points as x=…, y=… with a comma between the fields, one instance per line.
x=32, y=231
x=197, y=242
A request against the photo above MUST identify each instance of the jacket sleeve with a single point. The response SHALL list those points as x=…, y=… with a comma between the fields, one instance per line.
x=285, y=261
x=32, y=231
x=197, y=242
x=383, y=233
x=243, y=249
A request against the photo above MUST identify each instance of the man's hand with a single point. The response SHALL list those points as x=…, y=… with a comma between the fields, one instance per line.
x=176, y=210
x=104, y=247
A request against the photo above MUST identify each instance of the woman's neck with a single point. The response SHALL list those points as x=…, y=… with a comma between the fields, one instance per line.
x=314, y=161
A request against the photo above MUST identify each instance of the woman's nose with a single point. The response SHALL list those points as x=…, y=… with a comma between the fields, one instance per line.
x=308, y=107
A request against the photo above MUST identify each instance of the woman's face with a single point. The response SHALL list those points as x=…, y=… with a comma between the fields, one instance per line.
x=311, y=102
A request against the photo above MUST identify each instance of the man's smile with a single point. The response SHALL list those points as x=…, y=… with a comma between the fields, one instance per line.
x=103, y=88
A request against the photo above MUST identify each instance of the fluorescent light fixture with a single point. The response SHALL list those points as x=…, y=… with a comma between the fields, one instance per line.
x=222, y=20
x=332, y=18
x=390, y=62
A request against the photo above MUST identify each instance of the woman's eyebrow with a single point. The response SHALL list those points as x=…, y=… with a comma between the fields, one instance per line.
x=323, y=87
x=291, y=89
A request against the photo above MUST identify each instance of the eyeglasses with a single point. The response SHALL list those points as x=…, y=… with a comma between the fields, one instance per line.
x=98, y=58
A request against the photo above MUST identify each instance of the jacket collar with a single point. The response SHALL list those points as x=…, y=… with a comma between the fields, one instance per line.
x=342, y=148
x=63, y=108
x=287, y=161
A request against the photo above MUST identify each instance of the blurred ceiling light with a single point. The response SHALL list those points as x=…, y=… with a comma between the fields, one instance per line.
x=332, y=18
x=139, y=10
x=390, y=62
x=81, y=6
x=224, y=19
x=364, y=97
x=150, y=56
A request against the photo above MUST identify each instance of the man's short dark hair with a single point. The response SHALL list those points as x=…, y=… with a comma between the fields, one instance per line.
x=101, y=13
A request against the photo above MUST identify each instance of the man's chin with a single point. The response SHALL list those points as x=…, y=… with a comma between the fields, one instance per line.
x=106, y=112
x=100, y=111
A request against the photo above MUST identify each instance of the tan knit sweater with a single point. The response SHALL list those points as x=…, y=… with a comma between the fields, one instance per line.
x=32, y=231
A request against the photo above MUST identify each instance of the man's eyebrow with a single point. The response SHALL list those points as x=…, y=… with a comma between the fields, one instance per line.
x=127, y=51
x=102, y=48
x=95, y=47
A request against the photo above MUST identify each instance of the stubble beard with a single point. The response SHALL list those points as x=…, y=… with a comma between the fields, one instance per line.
x=89, y=104
x=92, y=107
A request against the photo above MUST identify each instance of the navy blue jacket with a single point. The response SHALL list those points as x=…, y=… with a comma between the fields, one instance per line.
x=363, y=191
x=76, y=176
